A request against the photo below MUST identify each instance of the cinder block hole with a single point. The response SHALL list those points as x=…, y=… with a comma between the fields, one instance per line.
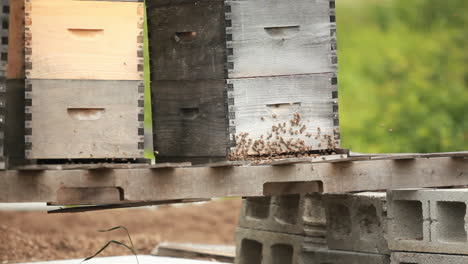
x=451, y=222
x=258, y=207
x=282, y=254
x=314, y=212
x=251, y=252
x=369, y=222
x=339, y=219
x=287, y=208
x=408, y=220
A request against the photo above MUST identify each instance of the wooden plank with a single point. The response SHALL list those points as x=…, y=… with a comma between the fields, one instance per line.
x=14, y=122
x=224, y=254
x=187, y=41
x=224, y=164
x=16, y=41
x=189, y=118
x=81, y=119
x=284, y=114
x=4, y=31
x=403, y=156
x=316, y=159
x=97, y=40
x=202, y=182
x=80, y=209
x=169, y=165
x=280, y=38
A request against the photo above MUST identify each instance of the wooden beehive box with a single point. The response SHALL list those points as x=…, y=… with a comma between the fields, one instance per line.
x=232, y=79
x=84, y=88
x=11, y=83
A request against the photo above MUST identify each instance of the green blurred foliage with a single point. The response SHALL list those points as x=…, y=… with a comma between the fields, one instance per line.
x=403, y=76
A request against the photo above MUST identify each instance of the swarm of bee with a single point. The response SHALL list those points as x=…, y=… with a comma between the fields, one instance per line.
x=283, y=141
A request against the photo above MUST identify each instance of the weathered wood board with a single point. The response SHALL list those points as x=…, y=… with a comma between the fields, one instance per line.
x=16, y=40
x=267, y=38
x=14, y=122
x=139, y=185
x=99, y=40
x=258, y=104
x=4, y=31
x=189, y=118
x=187, y=41
x=83, y=119
x=195, y=40
x=202, y=118
x=4, y=20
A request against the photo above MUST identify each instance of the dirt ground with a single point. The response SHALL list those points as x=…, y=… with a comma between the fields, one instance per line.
x=38, y=236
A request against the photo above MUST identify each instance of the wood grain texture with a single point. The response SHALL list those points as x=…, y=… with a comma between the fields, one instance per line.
x=16, y=40
x=279, y=37
x=14, y=122
x=4, y=30
x=189, y=118
x=74, y=119
x=242, y=181
x=97, y=40
x=260, y=103
x=187, y=41
x=161, y=3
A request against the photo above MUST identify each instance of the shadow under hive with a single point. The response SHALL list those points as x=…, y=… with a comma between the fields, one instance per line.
x=84, y=89
x=232, y=79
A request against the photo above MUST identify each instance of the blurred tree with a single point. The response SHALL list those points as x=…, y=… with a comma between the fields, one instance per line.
x=403, y=76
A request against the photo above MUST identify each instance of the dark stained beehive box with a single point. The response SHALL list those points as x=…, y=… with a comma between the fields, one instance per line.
x=198, y=40
x=232, y=79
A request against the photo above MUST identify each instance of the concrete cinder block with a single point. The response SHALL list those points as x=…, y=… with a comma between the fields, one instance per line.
x=292, y=214
x=357, y=222
x=263, y=247
x=428, y=220
x=327, y=256
x=422, y=258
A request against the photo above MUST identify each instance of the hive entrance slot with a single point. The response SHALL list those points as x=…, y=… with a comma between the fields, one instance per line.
x=190, y=112
x=185, y=36
x=282, y=32
x=86, y=114
x=86, y=32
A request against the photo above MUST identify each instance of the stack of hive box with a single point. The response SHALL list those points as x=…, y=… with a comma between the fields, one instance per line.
x=84, y=88
x=300, y=229
x=11, y=83
x=232, y=79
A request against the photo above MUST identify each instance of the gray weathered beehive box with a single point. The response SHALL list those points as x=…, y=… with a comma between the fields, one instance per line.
x=237, y=78
x=84, y=91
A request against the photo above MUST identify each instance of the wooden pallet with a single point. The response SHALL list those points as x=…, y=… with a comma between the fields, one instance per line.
x=126, y=185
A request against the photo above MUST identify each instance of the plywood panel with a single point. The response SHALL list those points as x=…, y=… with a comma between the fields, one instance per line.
x=97, y=40
x=70, y=119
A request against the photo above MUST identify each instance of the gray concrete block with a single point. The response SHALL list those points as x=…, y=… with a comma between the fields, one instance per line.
x=357, y=222
x=292, y=214
x=422, y=258
x=263, y=247
x=428, y=220
x=327, y=256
